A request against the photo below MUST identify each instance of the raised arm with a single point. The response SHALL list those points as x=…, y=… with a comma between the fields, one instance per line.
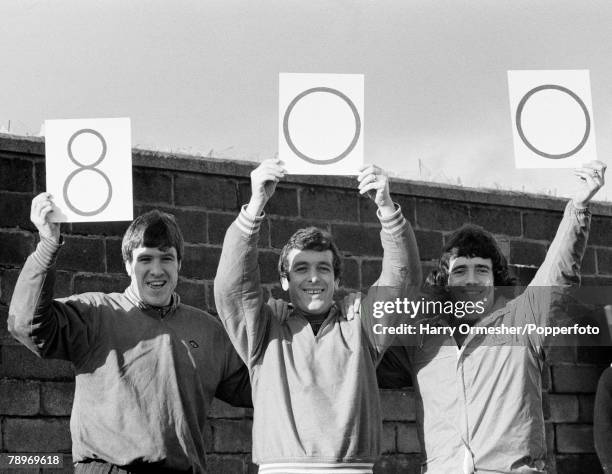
x=48, y=328
x=561, y=266
x=401, y=275
x=545, y=302
x=238, y=294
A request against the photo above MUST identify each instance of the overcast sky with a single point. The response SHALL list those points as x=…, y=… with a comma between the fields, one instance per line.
x=201, y=76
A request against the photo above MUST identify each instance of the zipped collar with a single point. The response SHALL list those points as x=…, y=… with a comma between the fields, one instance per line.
x=162, y=311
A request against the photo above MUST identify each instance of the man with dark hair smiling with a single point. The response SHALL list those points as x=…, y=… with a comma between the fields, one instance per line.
x=479, y=393
x=147, y=366
x=471, y=268
x=316, y=405
x=294, y=264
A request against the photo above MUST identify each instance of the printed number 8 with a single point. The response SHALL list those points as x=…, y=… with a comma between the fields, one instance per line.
x=91, y=167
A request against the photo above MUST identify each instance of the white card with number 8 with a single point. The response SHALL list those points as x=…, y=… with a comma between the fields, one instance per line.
x=89, y=169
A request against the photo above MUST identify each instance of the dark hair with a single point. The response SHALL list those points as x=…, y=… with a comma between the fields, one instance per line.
x=310, y=238
x=153, y=229
x=472, y=241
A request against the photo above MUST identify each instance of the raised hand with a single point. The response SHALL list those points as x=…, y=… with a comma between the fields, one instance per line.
x=374, y=182
x=590, y=179
x=264, y=179
x=42, y=205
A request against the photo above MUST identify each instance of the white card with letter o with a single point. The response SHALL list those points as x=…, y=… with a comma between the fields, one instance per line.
x=321, y=123
x=552, y=118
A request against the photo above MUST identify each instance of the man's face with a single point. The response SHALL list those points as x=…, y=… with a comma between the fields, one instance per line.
x=471, y=279
x=311, y=281
x=154, y=274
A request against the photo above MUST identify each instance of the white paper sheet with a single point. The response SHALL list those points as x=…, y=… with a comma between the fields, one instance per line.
x=89, y=169
x=321, y=123
x=552, y=118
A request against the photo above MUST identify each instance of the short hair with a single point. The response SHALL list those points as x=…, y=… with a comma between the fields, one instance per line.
x=471, y=241
x=153, y=229
x=310, y=238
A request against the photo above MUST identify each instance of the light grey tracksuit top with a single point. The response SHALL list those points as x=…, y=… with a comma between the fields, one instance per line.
x=315, y=398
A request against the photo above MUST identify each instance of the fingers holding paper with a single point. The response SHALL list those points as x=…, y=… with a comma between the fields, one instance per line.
x=42, y=205
x=374, y=182
x=264, y=179
x=591, y=177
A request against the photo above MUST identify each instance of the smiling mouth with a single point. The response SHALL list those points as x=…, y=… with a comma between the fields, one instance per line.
x=313, y=292
x=156, y=285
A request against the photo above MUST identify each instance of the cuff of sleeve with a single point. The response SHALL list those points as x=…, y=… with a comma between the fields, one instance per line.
x=393, y=223
x=571, y=207
x=46, y=251
x=247, y=223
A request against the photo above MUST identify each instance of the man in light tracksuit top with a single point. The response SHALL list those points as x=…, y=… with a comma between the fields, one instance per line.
x=479, y=397
x=313, y=375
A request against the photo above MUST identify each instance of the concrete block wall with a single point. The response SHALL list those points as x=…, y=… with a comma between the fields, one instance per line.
x=205, y=195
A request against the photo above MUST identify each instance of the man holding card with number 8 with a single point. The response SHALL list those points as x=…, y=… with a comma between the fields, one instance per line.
x=147, y=366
